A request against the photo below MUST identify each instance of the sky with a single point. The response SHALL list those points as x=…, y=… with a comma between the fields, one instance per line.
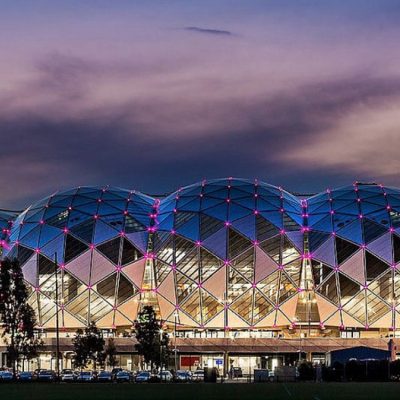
x=154, y=95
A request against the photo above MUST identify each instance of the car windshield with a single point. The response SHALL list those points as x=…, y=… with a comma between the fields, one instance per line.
x=85, y=373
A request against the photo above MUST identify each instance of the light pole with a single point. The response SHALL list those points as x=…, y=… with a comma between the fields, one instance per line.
x=161, y=351
x=175, y=349
x=57, y=324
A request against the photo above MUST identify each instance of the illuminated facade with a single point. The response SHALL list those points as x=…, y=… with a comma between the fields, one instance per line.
x=225, y=254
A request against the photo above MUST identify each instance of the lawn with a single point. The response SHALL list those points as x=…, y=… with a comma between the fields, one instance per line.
x=229, y=391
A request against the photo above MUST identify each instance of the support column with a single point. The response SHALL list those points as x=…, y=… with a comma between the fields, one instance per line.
x=226, y=363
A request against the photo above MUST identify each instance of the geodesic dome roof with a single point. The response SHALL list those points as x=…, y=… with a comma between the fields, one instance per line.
x=228, y=253
x=355, y=249
x=100, y=237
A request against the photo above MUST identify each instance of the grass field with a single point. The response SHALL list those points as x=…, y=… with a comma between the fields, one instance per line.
x=226, y=391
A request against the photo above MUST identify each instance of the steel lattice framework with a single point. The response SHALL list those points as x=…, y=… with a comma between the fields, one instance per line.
x=226, y=253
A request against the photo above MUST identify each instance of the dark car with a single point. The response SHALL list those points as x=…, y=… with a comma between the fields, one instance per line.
x=114, y=372
x=105, y=376
x=25, y=376
x=183, y=376
x=6, y=376
x=86, y=376
x=46, y=375
x=143, y=376
x=123, y=376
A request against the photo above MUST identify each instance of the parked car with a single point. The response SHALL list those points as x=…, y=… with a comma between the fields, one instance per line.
x=86, y=376
x=25, y=376
x=114, y=372
x=68, y=375
x=143, y=376
x=198, y=375
x=123, y=376
x=6, y=376
x=105, y=376
x=183, y=376
x=165, y=376
x=46, y=375
x=237, y=372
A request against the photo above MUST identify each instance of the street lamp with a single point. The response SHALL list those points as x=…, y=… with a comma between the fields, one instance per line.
x=175, y=349
x=57, y=324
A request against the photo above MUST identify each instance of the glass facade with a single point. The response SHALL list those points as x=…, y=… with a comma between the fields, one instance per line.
x=226, y=254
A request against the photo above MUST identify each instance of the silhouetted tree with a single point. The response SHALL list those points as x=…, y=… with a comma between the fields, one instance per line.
x=17, y=316
x=88, y=346
x=153, y=342
x=110, y=353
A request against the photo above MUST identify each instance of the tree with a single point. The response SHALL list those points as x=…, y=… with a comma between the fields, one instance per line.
x=17, y=316
x=110, y=353
x=153, y=342
x=88, y=346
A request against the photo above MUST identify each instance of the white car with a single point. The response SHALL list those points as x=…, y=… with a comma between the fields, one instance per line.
x=165, y=376
x=198, y=375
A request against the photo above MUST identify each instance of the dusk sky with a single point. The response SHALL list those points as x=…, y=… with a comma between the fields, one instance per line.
x=154, y=95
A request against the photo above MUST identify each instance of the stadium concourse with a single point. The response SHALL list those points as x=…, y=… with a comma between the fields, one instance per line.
x=240, y=272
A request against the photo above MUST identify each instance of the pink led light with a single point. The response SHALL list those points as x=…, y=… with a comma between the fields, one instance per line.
x=227, y=223
x=91, y=246
x=65, y=230
x=201, y=195
x=62, y=266
x=280, y=267
x=41, y=222
x=118, y=268
x=89, y=287
x=282, y=210
x=173, y=267
x=226, y=306
x=363, y=246
x=149, y=256
x=393, y=266
x=37, y=289
x=122, y=233
x=255, y=195
x=336, y=269
x=37, y=250
x=282, y=231
x=367, y=327
x=199, y=285
x=227, y=328
x=69, y=208
x=332, y=212
x=173, y=231
x=198, y=243
x=126, y=212
x=226, y=262
x=256, y=242
x=333, y=233
x=175, y=210
x=99, y=200
x=365, y=287
x=388, y=207
x=177, y=308
x=115, y=308
x=358, y=200
x=341, y=327
x=360, y=216
x=391, y=229
x=228, y=200
x=95, y=216
x=254, y=285
x=255, y=212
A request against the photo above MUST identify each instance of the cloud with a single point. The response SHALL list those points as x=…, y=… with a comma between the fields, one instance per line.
x=208, y=31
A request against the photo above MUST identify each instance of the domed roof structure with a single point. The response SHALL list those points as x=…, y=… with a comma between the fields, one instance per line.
x=99, y=236
x=219, y=254
x=228, y=253
x=354, y=243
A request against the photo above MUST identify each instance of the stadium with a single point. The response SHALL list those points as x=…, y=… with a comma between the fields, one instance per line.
x=225, y=258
